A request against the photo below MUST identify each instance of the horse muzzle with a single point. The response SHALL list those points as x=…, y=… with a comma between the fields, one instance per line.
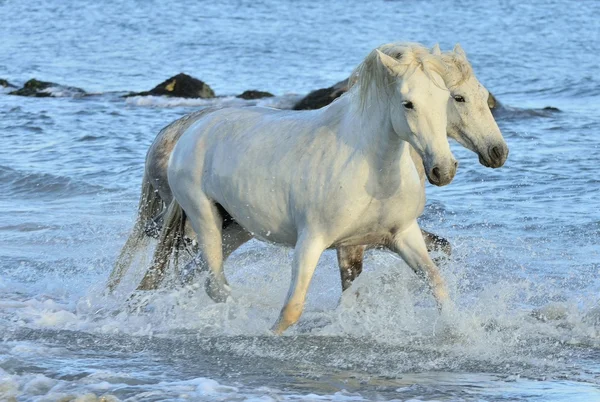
x=442, y=174
x=495, y=156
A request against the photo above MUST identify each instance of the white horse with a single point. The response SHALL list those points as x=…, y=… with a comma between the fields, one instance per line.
x=337, y=176
x=469, y=122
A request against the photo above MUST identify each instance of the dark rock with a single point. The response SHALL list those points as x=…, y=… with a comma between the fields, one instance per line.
x=35, y=88
x=322, y=97
x=180, y=86
x=254, y=94
x=551, y=109
x=43, y=89
x=6, y=84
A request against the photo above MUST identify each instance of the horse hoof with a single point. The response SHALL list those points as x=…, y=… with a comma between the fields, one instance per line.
x=216, y=291
x=279, y=327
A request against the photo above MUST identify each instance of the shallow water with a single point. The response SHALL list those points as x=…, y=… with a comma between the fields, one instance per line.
x=526, y=237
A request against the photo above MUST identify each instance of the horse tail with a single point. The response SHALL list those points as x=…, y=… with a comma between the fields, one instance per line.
x=149, y=207
x=170, y=244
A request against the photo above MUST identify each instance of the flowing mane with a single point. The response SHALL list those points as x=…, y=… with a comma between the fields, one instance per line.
x=459, y=68
x=371, y=75
x=453, y=67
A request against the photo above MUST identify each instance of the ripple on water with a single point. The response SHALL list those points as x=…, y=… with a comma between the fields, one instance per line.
x=17, y=183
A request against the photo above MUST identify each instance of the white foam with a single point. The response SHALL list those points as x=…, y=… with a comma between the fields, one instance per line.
x=165, y=101
x=387, y=305
x=60, y=91
x=387, y=302
x=279, y=102
x=95, y=388
x=55, y=319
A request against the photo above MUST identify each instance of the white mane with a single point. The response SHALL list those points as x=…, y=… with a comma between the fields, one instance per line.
x=452, y=66
x=459, y=68
x=371, y=75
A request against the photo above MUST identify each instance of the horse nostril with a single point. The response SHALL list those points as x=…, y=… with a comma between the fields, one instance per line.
x=435, y=172
x=495, y=153
x=455, y=165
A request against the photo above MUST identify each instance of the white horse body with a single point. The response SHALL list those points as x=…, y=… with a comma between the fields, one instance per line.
x=293, y=186
x=341, y=175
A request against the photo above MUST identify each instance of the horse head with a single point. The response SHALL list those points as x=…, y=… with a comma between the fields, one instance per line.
x=470, y=121
x=418, y=106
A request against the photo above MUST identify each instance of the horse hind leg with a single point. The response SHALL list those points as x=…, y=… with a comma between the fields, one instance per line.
x=233, y=236
x=207, y=222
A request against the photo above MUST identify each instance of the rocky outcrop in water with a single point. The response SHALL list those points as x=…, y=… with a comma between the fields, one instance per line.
x=254, y=94
x=180, y=86
x=185, y=86
x=322, y=97
x=6, y=84
x=35, y=88
x=44, y=89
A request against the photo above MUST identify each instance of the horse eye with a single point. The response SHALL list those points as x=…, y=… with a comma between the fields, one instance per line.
x=408, y=105
x=459, y=98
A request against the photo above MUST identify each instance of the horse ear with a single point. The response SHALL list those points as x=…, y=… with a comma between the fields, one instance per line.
x=435, y=50
x=388, y=62
x=459, y=50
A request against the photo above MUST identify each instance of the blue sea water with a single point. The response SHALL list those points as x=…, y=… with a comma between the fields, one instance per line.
x=526, y=265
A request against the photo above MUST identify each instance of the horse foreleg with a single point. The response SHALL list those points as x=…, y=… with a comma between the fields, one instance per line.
x=409, y=244
x=350, y=262
x=306, y=256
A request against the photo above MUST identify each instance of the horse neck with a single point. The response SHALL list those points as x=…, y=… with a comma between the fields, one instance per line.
x=369, y=131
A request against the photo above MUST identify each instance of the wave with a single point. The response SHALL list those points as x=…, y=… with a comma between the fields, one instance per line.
x=570, y=87
x=110, y=385
x=18, y=183
x=505, y=112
